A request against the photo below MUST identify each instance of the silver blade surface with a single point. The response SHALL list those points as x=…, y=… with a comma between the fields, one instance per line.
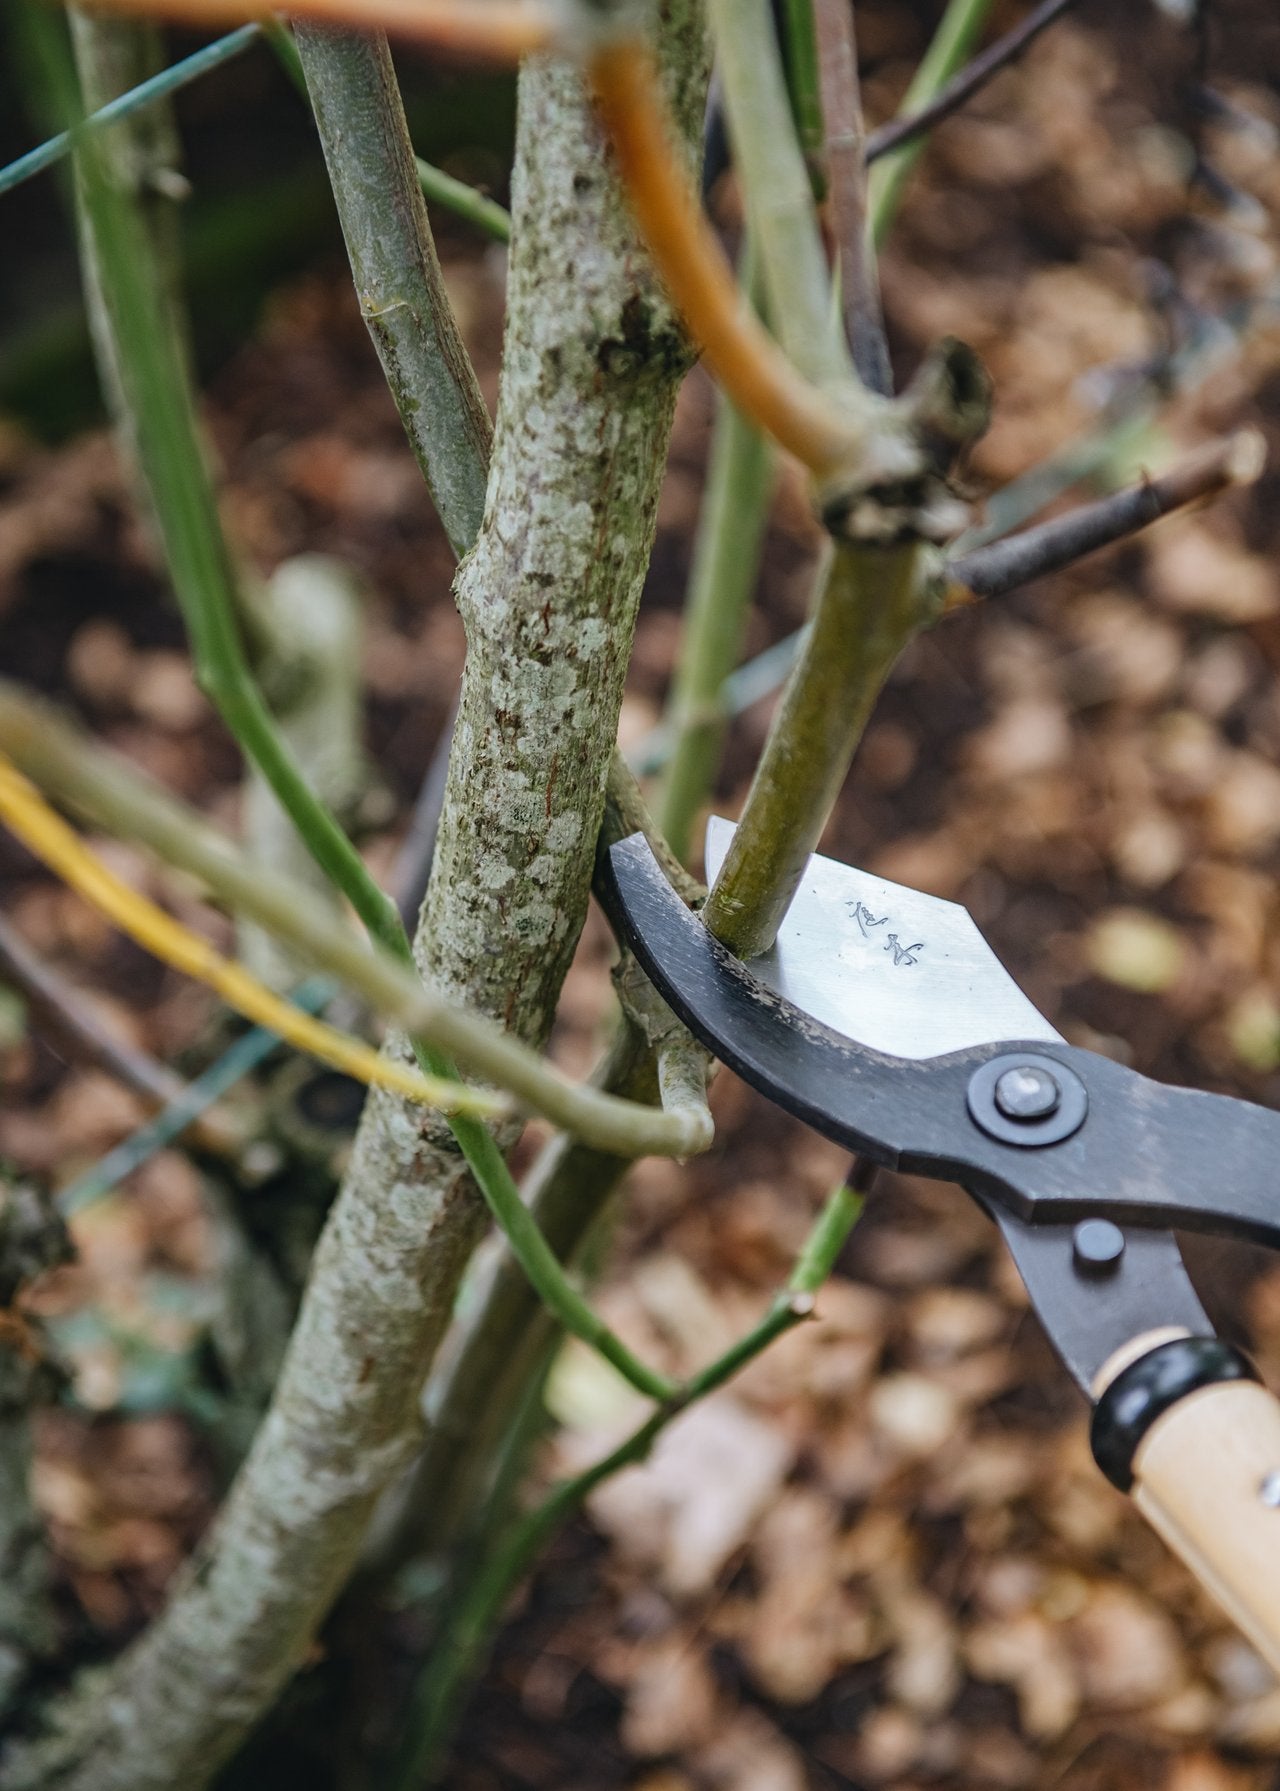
x=899, y=971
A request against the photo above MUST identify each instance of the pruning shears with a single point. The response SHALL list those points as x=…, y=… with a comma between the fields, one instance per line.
x=883, y=1019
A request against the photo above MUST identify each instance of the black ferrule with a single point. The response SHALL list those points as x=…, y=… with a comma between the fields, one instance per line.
x=1147, y=1389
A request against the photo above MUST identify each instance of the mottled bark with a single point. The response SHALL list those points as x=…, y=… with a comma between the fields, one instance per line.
x=591, y=363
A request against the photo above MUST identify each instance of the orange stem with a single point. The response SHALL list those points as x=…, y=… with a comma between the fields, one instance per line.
x=737, y=348
x=501, y=30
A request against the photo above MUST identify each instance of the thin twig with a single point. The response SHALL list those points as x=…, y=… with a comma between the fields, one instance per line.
x=845, y=163
x=77, y=771
x=804, y=84
x=991, y=571
x=146, y=93
x=956, y=33
x=71, y=1017
x=239, y=1059
x=962, y=87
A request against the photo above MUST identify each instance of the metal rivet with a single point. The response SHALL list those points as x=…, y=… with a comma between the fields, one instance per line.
x=1027, y=1092
x=1097, y=1246
x=1269, y=1491
x=1026, y=1099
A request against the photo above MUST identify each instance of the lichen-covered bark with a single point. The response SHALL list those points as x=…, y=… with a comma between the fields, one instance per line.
x=548, y=596
x=591, y=362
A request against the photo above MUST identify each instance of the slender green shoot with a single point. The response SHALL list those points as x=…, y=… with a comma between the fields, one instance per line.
x=953, y=41
x=487, y=216
x=726, y=563
x=804, y=84
x=146, y=93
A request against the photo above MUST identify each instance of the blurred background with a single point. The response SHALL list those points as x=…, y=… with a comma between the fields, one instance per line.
x=883, y=1557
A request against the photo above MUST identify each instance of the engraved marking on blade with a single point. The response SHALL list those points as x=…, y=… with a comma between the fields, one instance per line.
x=900, y=971
x=865, y=918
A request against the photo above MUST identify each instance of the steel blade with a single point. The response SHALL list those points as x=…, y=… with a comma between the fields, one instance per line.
x=902, y=972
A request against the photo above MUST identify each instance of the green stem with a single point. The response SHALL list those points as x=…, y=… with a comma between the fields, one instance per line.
x=485, y=214
x=540, y=1263
x=957, y=32
x=459, y=1651
x=726, y=561
x=869, y=605
x=145, y=93
x=778, y=193
x=804, y=85
x=360, y=117
x=476, y=208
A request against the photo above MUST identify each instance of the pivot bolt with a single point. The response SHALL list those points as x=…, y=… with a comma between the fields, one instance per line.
x=1027, y=1092
x=1097, y=1246
x=1026, y=1099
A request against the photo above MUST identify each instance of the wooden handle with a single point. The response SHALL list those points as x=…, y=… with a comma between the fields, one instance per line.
x=1207, y=1479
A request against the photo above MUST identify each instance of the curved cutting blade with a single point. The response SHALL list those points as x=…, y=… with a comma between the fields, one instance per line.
x=904, y=973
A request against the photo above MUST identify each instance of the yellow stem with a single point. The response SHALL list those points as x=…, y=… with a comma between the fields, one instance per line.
x=44, y=833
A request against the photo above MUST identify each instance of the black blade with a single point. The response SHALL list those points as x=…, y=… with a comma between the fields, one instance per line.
x=1091, y=1312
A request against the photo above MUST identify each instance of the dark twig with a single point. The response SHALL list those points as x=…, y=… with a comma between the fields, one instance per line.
x=70, y=1016
x=845, y=161
x=888, y=137
x=991, y=571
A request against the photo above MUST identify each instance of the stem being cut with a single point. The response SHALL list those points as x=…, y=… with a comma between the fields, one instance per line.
x=869, y=605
